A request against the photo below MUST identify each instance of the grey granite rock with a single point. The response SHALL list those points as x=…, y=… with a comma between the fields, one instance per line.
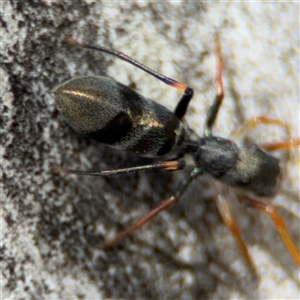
x=52, y=226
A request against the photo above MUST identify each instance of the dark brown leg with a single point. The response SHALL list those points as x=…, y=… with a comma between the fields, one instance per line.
x=188, y=92
x=162, y=206
x=142, y=221
x=163, y=165
x=213, y=110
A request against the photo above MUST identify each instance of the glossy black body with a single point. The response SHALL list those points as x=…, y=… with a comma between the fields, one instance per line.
x=115, y=115
x=247, y=167
x=118, y=116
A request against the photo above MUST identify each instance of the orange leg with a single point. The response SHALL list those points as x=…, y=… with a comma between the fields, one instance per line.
x=283, y=145
x=278, y=222
x=229, y=221
x=273, y=146
x=254, y=122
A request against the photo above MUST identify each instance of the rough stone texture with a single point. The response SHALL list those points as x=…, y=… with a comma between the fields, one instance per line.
x=52, y=226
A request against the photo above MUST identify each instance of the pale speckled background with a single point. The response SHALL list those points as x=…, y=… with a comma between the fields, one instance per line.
x=52, y=226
